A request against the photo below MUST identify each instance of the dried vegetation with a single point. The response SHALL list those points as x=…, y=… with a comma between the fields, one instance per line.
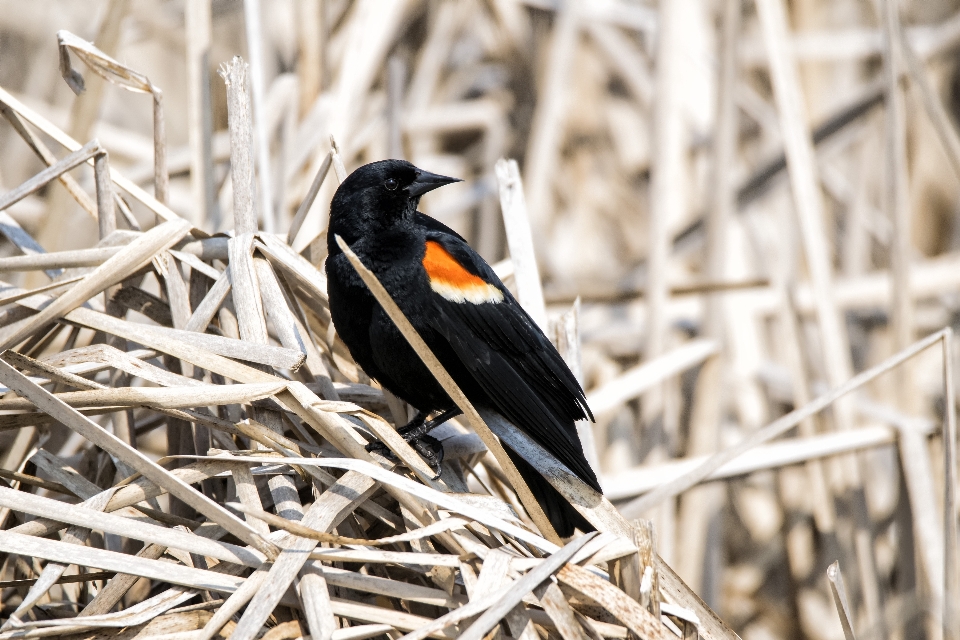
x=738, y=221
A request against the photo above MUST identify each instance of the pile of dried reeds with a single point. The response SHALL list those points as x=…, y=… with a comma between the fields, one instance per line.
x=445, y=561
x=750, y=246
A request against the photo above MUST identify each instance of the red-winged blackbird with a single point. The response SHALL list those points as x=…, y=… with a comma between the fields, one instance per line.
x=482, y=336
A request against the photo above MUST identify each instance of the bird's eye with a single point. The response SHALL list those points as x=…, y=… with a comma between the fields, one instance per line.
x=391, y=184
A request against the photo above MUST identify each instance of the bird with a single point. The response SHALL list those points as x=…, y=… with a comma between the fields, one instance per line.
x=490, y=346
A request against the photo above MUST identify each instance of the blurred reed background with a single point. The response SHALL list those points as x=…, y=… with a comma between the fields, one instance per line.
x=751, y=201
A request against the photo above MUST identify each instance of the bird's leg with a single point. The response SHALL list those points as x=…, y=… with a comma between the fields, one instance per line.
x=379, y=447
x=416, y=433
x=429, y=448
x=415, y=429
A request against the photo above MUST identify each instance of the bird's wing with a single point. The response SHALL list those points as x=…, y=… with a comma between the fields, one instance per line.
x=435, y=226
x=507, y=354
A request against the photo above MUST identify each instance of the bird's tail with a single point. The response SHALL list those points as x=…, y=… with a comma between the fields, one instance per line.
x=561, y=513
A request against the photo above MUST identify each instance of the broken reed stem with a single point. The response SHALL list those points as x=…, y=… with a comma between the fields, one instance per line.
x=106, y=210
x=44, y=153
x=311, y=39
x=667, y=179
x=308, y=199
x=118, y=74
x=840, y=600
x=951, y=569
x=161, y=176
x=252, y=21
x=338, y=167
x=896, y=198
x=234, y=76
x=516, y=221
x=34, y=184
x=199, y=113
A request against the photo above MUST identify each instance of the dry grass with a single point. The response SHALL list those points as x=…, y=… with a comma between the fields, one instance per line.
x=758, y=292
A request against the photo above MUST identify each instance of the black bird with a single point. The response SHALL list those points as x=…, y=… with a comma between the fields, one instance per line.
x=482, y=336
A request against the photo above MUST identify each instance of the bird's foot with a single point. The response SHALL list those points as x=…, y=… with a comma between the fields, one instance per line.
x=378, y=447
x=415, y=433
x=429, y=448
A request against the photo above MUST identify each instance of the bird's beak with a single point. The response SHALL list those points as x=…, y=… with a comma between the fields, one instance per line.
x=427, y=181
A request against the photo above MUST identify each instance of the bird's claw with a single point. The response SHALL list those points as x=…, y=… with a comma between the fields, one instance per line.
x=431, y=450
x=378, y=447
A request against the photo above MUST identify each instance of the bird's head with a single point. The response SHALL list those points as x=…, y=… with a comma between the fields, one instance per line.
x=384, y=192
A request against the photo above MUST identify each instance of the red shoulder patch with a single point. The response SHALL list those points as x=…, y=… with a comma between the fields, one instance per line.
x=452, y=281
